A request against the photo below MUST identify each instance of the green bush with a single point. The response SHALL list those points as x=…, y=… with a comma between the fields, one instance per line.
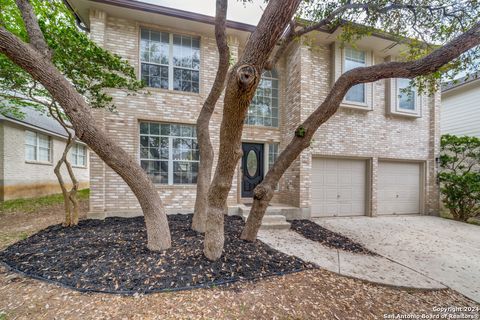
x=460, y=176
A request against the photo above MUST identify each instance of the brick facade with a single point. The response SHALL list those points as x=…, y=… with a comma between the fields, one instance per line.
x=305, y=77
x=23, y=179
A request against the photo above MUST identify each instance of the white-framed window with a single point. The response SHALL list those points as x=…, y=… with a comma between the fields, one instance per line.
x=38, y=147
x=78, y=155
x=169, y=152
x=263, y=111
x=402, y=98
x=170, y=61
x=354, y=59
x=406, y=95
x=272, y=154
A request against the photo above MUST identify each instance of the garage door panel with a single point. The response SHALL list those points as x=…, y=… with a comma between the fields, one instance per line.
x=344, y=194
x=338, y=187
x=345, y=179
x=330, y=195
x=330, y=179
x=398, y=187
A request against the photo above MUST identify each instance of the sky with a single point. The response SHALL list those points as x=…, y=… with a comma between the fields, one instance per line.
x=237, y=11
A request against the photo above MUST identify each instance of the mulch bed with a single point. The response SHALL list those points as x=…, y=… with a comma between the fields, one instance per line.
x=111, y=256
x=315, y=232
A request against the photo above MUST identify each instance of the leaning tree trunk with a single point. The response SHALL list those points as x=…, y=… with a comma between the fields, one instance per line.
x=263, y=193
x=34, y=59
x=241, y=85
x=203, y=135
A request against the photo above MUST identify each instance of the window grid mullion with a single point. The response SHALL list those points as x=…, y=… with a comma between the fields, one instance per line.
x=170, y=62
x=170, y=160
x=37, y=154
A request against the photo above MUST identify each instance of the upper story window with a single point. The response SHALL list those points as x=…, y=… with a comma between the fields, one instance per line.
x=169, y=152
x=406, y=95
x=170, y=61
x=402, y=98
x=78, y=155
x=263, y=111
x=38, y=147
x=355, y=59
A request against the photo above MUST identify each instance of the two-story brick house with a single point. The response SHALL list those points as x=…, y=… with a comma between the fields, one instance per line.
x=375, y=156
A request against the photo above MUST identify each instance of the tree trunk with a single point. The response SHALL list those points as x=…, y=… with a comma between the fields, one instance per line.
x=241, y=85
x=263, y=193
x=203, y=134
x=72, y=195
x=79, y=113
x=67, y=195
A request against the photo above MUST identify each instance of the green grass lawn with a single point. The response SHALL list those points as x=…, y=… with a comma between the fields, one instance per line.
x=32, y=204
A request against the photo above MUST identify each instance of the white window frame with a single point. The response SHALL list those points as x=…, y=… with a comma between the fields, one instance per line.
x=272, y=76
x=74, y=155
x=170, y=159
x=392, y=101
x=415, y=99
x=344, y=63
x=37, y=148
x=170, y=65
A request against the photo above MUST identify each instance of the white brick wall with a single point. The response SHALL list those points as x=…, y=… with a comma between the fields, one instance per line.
x=23, y=179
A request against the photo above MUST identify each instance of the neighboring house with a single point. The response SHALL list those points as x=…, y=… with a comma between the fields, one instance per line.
x=30, y=147
x=461, y=107
x=375, y=156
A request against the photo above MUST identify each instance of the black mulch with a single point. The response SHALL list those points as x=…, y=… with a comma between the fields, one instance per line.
x=111, y=256
x=315, y=232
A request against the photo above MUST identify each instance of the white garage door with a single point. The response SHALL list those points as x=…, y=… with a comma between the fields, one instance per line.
x=338, y=187
x=398, y=187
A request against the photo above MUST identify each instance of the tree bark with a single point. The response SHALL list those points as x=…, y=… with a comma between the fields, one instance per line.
x=241, y=85
x=203, y=134
x=263, y=193
x=69, y=197
x=79, y=113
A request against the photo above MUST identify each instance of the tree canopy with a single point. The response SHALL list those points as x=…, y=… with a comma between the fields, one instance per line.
x=90, y=68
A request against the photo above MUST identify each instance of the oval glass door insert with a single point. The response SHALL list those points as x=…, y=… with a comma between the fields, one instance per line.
x=252, y=163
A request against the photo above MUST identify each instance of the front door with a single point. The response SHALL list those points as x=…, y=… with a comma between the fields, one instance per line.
x=252, y=167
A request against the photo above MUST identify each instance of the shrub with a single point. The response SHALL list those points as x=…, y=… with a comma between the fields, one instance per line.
x=460, y=176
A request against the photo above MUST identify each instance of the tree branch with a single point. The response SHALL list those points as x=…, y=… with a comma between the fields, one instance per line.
x=35, y=34
x=335, y=14
x=426, y=65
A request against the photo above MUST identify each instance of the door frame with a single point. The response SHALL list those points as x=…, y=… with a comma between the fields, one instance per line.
x=262, y=163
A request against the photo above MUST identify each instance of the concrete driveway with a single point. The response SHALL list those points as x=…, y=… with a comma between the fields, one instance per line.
x=443, y=250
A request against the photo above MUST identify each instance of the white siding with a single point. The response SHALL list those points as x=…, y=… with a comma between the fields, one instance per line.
x=461, y=111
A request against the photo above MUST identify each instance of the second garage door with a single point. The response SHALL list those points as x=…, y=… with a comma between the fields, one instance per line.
x=338, y=187
x=398, y=187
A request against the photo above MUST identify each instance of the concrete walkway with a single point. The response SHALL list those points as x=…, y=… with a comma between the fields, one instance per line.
x=375, y=269
x=444, y=250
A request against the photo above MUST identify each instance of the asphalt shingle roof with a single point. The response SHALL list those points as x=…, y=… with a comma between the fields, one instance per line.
x=460, y=82
x=37, y=119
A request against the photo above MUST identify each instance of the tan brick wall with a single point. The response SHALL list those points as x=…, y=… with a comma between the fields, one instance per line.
x=371, y=135
x=304, y=78
x=22, y=179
